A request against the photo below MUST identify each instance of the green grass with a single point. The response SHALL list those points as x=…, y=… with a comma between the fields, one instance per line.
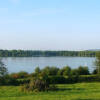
x=80, y=91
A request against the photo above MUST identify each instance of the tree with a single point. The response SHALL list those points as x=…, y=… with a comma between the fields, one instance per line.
x=50, y=70
x=82, y=70
x=60, y=72
x=3, y=69
x=97, y=62
x=74, y=72
x=37, y=70
x=46, y=70
x=95, y=71
x=22, y=74
x=54, y=70
x=67, y=71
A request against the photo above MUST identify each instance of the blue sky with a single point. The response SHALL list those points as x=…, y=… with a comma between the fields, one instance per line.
x=50, y=24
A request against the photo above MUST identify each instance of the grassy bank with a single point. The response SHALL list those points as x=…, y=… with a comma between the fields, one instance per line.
x=79, y=91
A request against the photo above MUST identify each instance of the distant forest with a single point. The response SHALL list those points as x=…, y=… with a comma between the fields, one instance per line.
x=30, y=53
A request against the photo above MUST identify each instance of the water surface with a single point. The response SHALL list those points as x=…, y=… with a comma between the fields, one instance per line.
x=28, y=64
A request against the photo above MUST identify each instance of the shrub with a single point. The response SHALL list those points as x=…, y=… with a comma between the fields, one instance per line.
x=74, y=72
x=38, y=84
x=23, y=81
x=89, y=78
x=37, y=70
x=67, y=71
x=83, y=70
x=57, y=80
x=95, y=71
x=3, y=69
x=7, y=80
x=50, y=70
x=60, y=72
x=21, y=74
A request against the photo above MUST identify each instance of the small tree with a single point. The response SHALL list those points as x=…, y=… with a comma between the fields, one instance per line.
x=95, y=71
x=97, y=62
x=67, y=71
x=54, y=70
x=82, y=70
x=3, y=73
x=3, y=69
x=60, y=72
x=46, y=70
x=74, y=72
x=37, y=70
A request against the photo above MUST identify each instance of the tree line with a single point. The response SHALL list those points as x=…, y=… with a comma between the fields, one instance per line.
x=31, y=53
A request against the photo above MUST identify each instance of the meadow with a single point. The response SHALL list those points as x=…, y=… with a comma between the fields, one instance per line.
x=78, y=91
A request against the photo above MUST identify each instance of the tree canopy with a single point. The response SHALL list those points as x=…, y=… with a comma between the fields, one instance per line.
x=30, y=53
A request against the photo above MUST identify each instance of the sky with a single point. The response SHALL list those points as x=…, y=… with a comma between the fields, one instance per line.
x=50, y=24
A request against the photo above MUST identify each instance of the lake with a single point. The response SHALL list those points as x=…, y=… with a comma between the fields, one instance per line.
x=28, y=64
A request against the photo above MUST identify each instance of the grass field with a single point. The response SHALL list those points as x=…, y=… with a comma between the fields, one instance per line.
x=80, y=91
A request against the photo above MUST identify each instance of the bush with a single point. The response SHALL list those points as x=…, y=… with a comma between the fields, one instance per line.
x=23, y=81
x=95, y=71
x=50, y=70
x=57, y=80
x=35, y=85
x=67, y=71
x=7, y=80
x=89, y=78
x=74, y=72
x=3, y=69
x=38, y=84
x=37, y=70
x=83, y=70
x=60, y=72
x=19, y=75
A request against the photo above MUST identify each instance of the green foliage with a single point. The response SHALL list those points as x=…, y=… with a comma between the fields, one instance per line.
x=50, y=70
x=21, y=74
x=38, y=84
x=35, y=85
x=83, y=70
x=7, y=80
x=63, y=79
x=89, y=78
x=3, y=69
x=29, y=53
x=97, y=62
x=4, y=77
x=67, y=71
x=74, y=72
x=37, y=70
x=57, y=80
x=95, y=71
x=60, y=72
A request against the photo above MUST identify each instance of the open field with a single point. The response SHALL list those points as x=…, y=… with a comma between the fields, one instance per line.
x=79, y=91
